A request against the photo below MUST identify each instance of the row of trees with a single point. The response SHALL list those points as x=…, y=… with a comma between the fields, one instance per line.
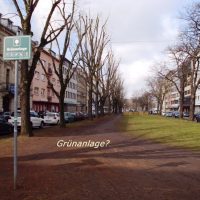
x=84, y=41
x=182, y=67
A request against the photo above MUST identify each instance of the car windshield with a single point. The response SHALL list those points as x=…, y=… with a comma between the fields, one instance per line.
x=33, y=114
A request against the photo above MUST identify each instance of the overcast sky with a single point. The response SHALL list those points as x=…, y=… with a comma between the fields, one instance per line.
x=140, y=31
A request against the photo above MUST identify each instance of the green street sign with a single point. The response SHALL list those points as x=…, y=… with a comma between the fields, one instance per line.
x=17, y=48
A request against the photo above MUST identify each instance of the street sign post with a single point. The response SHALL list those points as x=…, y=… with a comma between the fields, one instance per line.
x=16, y=48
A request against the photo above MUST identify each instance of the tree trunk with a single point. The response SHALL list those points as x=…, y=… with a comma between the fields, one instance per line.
x=26, y=128
x=158, y=105
x=192, y=104
x=102, y=103
x=181, y=104
x=90, y=98
x=97, y=100
x=109, y=105
x=182, y=95
x=61, y=105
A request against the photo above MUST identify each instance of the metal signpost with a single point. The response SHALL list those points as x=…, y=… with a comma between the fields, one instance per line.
x=16, y=48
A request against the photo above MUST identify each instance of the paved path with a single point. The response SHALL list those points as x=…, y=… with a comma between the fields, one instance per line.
x=129, y=168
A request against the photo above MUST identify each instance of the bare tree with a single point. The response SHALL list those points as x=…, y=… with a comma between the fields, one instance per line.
x=92, y=54
x=117, y=95
x=190, y=39
x=25, y=10
x=106, y=80
x=66, y=67
x=144, y=101
x=158, y=89
x=178, y=75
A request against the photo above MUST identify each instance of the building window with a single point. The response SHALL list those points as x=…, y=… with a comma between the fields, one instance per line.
x=37, y=75
x=42, y=92
x=53, y=81
x=43, y=77
x=36, y=91
x=44, y=63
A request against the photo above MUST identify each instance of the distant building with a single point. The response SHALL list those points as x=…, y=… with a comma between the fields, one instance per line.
x=7, y=69
x=71, y=91
x=81, y=92
x=42, y=96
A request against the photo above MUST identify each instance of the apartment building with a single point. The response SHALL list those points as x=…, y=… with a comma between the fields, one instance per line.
x=7, y=69
x=71, y=91
x=172, y=98
x=81, y=92
x=42, y=96
x=171, y=101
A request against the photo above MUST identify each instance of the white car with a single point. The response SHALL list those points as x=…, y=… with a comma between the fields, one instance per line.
x=52, y=118
x=35, y=120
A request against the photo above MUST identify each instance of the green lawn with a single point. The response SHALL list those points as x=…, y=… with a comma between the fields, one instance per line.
x=172, y=131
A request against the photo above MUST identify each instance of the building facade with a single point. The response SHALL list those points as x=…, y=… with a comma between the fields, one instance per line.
x=43, y=98
x=7, y=69
x=81, y=92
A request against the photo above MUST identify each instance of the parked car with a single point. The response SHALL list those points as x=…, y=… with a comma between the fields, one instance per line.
x=69, y=117
x=51, y=118
x=5, y=127
x=169, y=114
x=163, y=113
x=176, y=114
x=42, y=114
x=186, y=114
x=6, y=115
x=197, y=117
x=79, y=116
x=36, y=121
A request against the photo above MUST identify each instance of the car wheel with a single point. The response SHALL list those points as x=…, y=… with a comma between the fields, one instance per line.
x=42, y=125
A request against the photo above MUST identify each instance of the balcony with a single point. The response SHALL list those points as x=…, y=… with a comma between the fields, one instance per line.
x=7, y=88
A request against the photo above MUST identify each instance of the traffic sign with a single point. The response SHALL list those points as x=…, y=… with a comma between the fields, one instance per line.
x=17, y=48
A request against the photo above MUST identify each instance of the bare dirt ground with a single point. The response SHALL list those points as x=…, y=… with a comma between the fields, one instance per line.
x=130, y=168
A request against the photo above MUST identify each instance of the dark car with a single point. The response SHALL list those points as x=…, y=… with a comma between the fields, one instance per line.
x=186, y=114
x=5, y=127
x=69, y=117
x=169, y=114
x=176, y=114
x=197, y=117
x=7, y=115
